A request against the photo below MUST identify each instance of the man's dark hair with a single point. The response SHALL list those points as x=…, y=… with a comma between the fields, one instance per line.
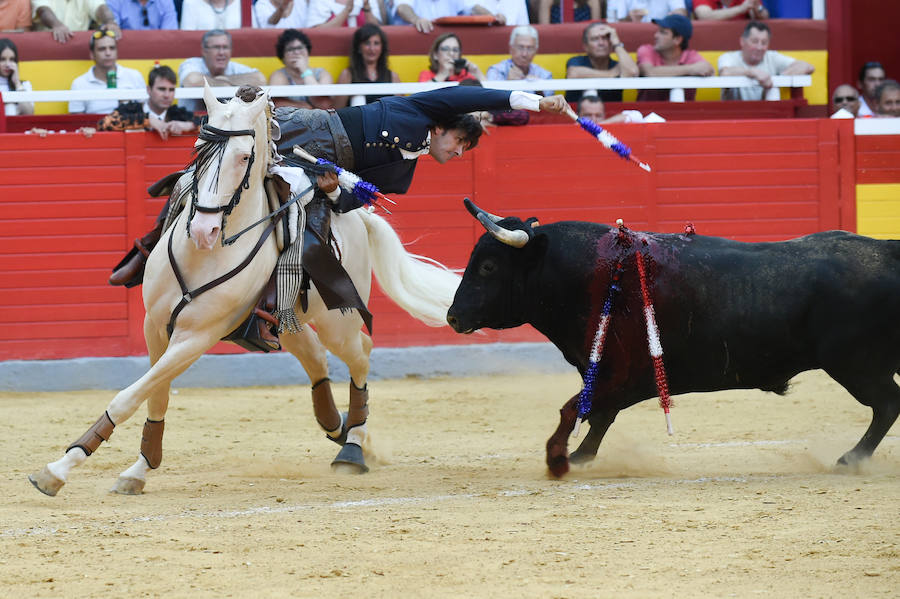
x=888, y=84
x=758, y=26
x=468, y=126
x=584, y=34
x=864, y=70
x=99, y=33
x=290, y=35
x=592, y=99
x=163, y=71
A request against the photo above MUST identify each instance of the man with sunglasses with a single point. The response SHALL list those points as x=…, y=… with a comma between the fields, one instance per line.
x=871, y=75
x=62, y=17
x=104, y=51
x=144, y=14
x=845, y=97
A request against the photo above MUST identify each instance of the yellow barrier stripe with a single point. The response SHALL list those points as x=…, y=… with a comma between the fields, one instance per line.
x=878, y=210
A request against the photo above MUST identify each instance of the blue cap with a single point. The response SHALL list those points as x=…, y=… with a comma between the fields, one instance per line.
x=679, y=24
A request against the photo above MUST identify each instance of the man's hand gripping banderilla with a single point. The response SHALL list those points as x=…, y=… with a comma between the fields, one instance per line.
x=556, y=104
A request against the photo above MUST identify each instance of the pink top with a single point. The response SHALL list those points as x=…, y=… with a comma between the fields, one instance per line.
x=646, y=54
x=717, y=4
x=428, y=75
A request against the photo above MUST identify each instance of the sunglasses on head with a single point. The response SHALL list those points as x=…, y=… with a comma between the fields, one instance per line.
x=107, y=32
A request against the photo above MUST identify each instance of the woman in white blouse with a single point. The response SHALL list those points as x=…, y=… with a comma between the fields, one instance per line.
x=9, y=78
x=339, y=13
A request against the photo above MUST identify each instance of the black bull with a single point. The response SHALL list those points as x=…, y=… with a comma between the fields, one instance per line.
x=731, y=315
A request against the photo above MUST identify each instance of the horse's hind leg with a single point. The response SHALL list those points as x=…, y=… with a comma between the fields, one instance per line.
x=306, y=347
x=353, y=347
x=882, y=395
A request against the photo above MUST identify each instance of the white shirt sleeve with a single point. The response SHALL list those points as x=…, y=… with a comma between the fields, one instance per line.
x=519, y=100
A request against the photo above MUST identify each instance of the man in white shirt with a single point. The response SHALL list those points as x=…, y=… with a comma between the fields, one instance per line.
x=756, y=61
x=215, y=67
x=105, y=53
x=643, y=11
x=506, y=12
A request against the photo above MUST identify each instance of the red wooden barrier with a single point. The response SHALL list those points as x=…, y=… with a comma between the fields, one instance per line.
x=70, y=206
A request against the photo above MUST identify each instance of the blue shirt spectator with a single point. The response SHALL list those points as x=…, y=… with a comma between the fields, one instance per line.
x=150, y=14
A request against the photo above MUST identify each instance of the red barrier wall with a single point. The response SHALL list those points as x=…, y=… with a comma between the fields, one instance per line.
x=69, y=207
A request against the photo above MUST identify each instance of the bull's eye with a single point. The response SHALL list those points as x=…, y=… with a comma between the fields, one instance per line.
x=487, y=268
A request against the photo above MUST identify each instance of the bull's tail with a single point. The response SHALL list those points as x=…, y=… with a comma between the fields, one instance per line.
x=419, y=285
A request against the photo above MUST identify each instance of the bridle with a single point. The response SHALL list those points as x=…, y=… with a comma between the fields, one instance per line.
x=217, y=140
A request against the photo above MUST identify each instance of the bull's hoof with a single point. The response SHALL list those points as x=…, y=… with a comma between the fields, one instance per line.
x=128, y=486
x=45, y=482
x=342, y=438
x=350, y=460
x=580, y=457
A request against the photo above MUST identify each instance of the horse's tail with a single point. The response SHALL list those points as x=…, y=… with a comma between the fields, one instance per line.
x=419, y=285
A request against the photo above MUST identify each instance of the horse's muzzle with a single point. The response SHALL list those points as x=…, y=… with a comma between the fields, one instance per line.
x=205, y=229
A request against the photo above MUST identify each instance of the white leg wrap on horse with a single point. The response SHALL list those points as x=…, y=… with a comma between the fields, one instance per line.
x=357, y=435
x=138, y=470
x=61, y=467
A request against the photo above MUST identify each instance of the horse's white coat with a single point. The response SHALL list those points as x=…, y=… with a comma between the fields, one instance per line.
x=365, y=240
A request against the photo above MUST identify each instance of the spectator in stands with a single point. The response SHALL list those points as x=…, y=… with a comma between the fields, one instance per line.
x=523, y=45
x=15, y=15
x=9, y=78
x=599, y=40
x=637, y=11
x=104, y=51
x=211, y=14
x=369, y=54
x=845, y=96
x=216, y=67
x=157, y=113
x=887, y=99
x=585, y=10
x=724, y=10
x=871, y=75
x=505, y=12
x=144, y=14
x=669, y=56
x=338, y=13
x=280, y=14
x=446, y=62
x=422, y=13
x=293, y=48
x=591, y=107
x=756, y=61
x=62, y=17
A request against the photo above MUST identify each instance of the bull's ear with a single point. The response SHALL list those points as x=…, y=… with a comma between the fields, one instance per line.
x=536, y=246
x=532, y=222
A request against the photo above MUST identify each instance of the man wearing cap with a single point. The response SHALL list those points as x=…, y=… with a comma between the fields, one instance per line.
x=669, y=56
x=756, y=61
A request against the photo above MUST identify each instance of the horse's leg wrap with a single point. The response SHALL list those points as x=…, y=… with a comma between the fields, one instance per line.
x=99, y=432
x=323, y=406
x=359, y=405
x=151, y=442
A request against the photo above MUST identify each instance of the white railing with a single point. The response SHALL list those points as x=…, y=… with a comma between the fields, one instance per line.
x=354, y=89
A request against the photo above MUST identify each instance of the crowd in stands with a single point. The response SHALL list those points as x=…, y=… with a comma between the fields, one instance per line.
x=667, y=55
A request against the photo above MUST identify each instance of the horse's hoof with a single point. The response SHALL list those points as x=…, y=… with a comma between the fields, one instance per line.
x=578, y=457
x=350, y=460
x=128, y=486
x=45, y=482
x=342, y=438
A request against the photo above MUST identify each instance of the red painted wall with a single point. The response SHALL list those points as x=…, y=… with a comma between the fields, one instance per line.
x=70, y=206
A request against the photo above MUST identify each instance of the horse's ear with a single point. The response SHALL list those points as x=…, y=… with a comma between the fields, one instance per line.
x=209, y=97
x=259, y=104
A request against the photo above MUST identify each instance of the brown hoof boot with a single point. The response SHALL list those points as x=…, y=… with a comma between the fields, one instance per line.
x=128, y=486
x=45, y=482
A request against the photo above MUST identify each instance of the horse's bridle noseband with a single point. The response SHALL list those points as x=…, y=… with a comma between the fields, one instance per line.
x=204, y=154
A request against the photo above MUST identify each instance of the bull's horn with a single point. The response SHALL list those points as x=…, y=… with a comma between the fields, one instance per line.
x=515, y=238
x=475, y=211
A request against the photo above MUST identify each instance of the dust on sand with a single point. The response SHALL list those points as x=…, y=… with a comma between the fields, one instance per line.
x=743, y=501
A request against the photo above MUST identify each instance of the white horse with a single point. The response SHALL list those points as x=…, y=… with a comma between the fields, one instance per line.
x=234, y=153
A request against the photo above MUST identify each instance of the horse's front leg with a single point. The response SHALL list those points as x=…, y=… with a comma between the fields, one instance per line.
x=183, y=350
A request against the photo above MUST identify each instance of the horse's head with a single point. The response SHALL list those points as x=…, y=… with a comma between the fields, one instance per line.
x=232, y=154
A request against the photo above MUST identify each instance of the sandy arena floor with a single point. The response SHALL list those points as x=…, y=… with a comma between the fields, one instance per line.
x=742, y=502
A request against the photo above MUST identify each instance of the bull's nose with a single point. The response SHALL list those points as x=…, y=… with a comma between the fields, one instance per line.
x=453, y=322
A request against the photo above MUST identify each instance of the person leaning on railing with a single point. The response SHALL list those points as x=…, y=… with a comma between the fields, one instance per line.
x=62, y=17
x=106, y=73
x=669, y=56
x=132, y=14
x=293, y=48
x=369, y=53
x=600, y=41
x=446, y=62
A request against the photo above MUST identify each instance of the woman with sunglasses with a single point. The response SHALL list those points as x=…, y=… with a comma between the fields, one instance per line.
x=293, y=48
x=368, y=64
x=446, y=61
x=9, y=78
x=104, y=51
x=144, y=14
